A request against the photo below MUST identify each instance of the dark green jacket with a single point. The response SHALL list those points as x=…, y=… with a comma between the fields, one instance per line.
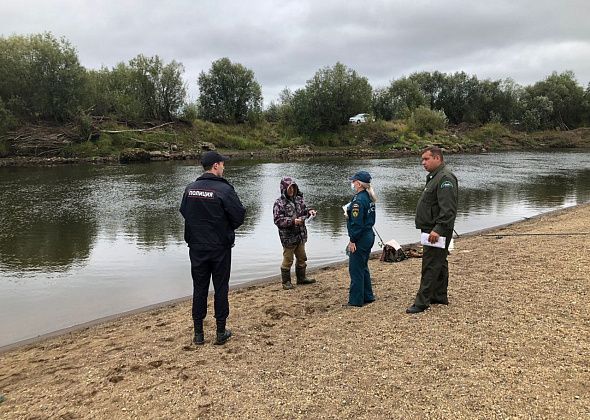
x=437, y=206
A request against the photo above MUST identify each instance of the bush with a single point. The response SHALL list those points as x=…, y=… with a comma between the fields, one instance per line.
x=3, y=149
x=190, y=112
x=493, y=131
x=7, y=120
x=83, y=123
x=424, y=120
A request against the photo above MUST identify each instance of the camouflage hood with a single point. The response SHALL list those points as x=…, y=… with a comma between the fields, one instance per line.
x=286, y=182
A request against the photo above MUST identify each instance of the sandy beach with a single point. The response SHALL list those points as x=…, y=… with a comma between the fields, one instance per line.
x=514, y=342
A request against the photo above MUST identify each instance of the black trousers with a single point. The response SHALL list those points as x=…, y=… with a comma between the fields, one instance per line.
x=207, y=265
x=434, y=281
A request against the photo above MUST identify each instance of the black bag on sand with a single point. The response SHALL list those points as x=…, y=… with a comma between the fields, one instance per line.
x=392, y=251
x=390, y=254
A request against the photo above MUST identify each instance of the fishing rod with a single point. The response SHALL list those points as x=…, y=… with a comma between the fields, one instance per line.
x=537, y=234
x=382, y=243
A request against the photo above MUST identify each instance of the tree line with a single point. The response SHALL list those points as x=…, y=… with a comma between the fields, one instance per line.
x=42, y=80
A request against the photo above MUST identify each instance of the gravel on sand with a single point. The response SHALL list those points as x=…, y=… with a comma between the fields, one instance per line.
x=514, y=342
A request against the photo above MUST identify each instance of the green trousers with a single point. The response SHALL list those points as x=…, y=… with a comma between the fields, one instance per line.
x=434, y=281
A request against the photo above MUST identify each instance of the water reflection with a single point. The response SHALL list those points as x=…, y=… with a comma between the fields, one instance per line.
x=52, y=217
x=556, y=189
x=47, y=221
x=246, y=178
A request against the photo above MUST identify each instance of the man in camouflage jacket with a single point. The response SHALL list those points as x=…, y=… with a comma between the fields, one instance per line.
x=290, y=213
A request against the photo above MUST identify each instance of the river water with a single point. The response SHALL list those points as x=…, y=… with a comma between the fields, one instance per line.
x=81, y=242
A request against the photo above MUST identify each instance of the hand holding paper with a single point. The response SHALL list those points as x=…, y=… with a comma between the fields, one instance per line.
x=438, y=244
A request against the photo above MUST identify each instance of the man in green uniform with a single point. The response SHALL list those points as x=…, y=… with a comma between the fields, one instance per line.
x=435, y=216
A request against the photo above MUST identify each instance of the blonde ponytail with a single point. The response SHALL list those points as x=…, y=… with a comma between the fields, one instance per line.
x=367, y=186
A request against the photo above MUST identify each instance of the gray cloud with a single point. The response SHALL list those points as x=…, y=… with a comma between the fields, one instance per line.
x=285, y=43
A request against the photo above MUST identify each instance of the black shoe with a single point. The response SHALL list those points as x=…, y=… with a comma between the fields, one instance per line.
x=369, y=301
x=199, y=339
x=439, y=302
x=222, y=337
x=351, y=306
x=415, y=309
x=288, y=285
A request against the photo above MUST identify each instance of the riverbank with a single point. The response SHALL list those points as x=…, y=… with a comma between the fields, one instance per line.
x=182, y=141
x=512, y=343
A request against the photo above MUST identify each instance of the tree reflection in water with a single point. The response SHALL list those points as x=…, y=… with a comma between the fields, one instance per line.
x=47, y=218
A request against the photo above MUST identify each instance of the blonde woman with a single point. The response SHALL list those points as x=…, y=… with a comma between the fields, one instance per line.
x=361, y=218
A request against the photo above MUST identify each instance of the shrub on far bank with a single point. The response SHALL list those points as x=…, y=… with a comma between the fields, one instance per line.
x=3, y=149
x=102, y=147
x=491, y=132
x=425, y=120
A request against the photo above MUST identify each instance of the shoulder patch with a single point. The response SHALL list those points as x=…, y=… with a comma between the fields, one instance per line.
x=446, y=184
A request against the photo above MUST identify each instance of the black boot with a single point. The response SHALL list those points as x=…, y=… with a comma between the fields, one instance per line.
x=286, y=276
x=223, y=334
x=199, y=338
x=301, y=279
x=222, y=337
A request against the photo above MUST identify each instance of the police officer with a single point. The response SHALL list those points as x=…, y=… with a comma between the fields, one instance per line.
x=360, y=220
x=435, y=215
x=212, y=211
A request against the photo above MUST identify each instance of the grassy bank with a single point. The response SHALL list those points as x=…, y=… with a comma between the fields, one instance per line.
x=110, y=140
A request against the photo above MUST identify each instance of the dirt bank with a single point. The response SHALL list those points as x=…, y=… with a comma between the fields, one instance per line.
x=514, y=342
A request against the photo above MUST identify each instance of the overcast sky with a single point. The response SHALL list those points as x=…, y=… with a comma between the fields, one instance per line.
x=286, y=42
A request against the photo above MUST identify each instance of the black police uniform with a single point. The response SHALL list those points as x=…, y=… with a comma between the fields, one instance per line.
x=212, y=211
x=436, y=211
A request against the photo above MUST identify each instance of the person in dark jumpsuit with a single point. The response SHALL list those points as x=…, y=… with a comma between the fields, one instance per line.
x=435, y=214
x=360, y=220
x=212, y=211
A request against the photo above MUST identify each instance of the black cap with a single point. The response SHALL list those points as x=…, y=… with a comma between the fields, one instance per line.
x=362, y=176
x=209, y=158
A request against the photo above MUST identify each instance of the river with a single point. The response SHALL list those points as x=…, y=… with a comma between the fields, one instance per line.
x=81, y=242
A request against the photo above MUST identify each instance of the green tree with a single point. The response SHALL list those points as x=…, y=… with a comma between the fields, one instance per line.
x=40, y=77
x=537, y=112
x=7, y=119
x=457, y=97
x=382, y=104
x=158, y=87
x=272, y=112
x=587, y=105
x=281, y=110
x=113, y=93
x=330, y=98
x=228, y=93
x=431, y=85
x=405, y=96
x=566, y=97
x=144, y=89
x=494, y=100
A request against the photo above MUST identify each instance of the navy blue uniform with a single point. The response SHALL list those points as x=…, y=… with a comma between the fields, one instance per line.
x=361, y=218
x=212, y=211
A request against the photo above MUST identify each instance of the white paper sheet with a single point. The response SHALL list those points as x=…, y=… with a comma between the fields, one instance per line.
x=345, y=208
x=442, y=241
